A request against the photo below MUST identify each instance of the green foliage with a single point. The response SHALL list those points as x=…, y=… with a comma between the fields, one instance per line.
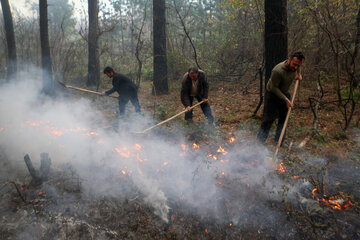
x=340, y=135
x=355, y=94
x=177, y=65
x=148, y=74
x=321, y=139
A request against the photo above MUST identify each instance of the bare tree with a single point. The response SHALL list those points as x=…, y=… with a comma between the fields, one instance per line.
x=10, y=39
x=344, y=64
x=93, y=48
x=159, y=43
x=139, y=45
x=45, y=49
x=276, y=41
x=187, y=34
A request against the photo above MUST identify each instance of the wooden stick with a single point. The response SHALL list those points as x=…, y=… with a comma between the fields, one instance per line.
x=160, y=123
x=286, y=121
x=84, y=90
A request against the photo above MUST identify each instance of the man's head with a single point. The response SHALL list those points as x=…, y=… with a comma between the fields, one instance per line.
x=295, y=61
x=193, y=72
x=109, y=72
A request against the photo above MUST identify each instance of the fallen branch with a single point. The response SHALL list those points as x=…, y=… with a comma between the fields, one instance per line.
x=18, y=191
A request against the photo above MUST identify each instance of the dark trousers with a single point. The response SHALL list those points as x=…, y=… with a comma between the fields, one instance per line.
x=274, y=108
x=124, y=100
x=205, y=107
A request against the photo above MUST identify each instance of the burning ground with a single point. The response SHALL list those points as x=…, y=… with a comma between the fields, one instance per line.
x=107, y=182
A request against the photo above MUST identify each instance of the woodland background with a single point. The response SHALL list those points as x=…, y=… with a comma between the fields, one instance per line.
x=236, y=43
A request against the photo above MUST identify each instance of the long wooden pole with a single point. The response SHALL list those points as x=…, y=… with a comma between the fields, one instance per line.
x=286, y=121
x=85, y=90
x=160, y=123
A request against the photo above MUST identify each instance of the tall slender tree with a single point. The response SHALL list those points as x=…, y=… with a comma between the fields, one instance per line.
x=10, y=39
x=159, y=45
x=93, y=48
x=45, y=49
x=276, y=34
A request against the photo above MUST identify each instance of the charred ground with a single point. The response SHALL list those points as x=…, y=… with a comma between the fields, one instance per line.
x=60, y=208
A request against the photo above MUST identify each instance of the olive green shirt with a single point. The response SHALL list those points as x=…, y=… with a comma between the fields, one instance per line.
x=280, y=80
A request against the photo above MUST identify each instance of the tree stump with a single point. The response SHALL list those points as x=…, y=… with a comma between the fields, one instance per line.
x=38, y=177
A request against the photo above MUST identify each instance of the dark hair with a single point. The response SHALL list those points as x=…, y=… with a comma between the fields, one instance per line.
x=298, y=55
x=193, y=69
x=108, y=70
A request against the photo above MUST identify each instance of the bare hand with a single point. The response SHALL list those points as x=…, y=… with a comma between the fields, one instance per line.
x=205, y=99
x=103, y=93
x=298, y=76
x=288, y=103
x=188, y=108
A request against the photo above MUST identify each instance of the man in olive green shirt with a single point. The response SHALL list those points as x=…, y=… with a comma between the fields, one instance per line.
x=277, y=97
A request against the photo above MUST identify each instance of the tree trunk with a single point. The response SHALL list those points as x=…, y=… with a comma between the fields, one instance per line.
x=93, y=48
x=276, y=42
x=45, y=49
x=159, y=34
x=10, y=40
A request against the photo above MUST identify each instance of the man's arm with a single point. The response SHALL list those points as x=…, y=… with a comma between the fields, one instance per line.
x=185, y=97
x=273, y=85
x=108, y=92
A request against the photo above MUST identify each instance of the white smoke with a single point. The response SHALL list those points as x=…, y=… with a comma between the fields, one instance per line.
x=69, y=129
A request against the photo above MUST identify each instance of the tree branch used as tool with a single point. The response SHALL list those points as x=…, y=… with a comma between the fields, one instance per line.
x=160, y=123
x=286, y=121
x=83, y=90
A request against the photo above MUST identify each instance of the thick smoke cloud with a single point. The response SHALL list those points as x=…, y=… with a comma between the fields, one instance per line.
x=69, y=129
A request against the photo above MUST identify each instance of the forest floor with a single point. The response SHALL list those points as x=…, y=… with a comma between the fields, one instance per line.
x=328, y=160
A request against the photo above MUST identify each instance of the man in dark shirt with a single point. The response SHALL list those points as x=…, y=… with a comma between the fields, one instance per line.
x=277, y=97
x=126, y=89
x=194, y=85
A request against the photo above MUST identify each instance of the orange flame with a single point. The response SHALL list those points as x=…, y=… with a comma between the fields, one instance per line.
x=122, y=152
x=195, y=146
x=281, y=168
x=231, y=140
x=221, y=150
x=183, y=147
x=92, y=134
x=314, y=190
x=56, y=133
x=335, y=202
x=138, y=146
